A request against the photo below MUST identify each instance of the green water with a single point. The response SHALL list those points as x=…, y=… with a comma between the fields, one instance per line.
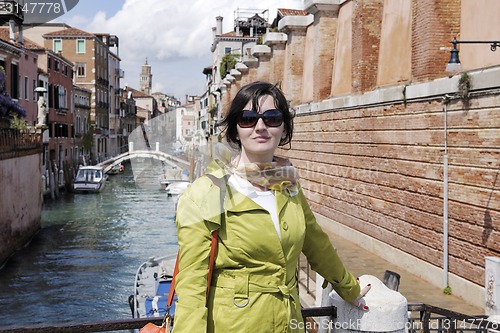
x=80, y=267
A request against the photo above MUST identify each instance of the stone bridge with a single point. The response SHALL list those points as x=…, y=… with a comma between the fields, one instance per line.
x=173, y=161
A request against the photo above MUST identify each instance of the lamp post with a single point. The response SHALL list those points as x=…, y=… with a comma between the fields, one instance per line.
x=454, y=63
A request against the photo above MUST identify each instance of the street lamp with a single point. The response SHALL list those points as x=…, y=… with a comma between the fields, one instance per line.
x=454, y=63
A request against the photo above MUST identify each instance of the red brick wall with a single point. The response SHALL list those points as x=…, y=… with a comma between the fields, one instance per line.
x=366, y=26
x=434, y=25
x=324, y=46
x=379, y=170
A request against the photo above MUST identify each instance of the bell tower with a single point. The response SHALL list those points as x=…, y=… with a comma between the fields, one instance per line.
x=146, y=79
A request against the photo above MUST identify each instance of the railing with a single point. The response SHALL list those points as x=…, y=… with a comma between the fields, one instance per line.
x=127, y=324
x=427, y=318
x=13, y=140
x=423, y=318
x=306, y=275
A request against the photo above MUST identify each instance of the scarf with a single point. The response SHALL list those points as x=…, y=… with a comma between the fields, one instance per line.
x=278, y=175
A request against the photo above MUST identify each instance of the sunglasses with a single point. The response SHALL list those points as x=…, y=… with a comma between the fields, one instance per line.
x=249, y=118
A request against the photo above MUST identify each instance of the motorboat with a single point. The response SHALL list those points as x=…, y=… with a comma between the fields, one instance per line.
x=89, y=179
x=152, y=287
x=116, y=169
x=176, y=188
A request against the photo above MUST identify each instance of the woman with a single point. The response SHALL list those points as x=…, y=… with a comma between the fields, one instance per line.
x=267, y=224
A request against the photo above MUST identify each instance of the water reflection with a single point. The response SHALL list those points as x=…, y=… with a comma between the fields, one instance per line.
x=80, y=267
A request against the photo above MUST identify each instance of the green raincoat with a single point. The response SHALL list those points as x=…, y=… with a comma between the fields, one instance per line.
x=254, y=286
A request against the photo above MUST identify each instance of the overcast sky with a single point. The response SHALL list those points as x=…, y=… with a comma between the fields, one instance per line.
x=175, y=36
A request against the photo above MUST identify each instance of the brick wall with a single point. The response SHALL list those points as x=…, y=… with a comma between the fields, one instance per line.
x=366, y=25
x=379, y=170
x=376, y=164
x=434, y=24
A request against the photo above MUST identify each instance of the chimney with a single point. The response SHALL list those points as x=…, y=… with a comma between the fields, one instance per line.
x=12, y=31
x=219, y=25
x=20, y=37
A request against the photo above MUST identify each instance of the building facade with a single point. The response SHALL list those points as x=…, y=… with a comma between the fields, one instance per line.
x=82, y=133
x=59, y=119
x=393, y=152
x=90, y=54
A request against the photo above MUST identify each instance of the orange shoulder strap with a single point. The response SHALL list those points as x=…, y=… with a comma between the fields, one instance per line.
x=221, y=184
x=213, y=250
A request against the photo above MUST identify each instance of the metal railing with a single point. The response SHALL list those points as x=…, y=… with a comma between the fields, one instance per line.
x=427, y=318
x=130, y=324
x=12, y=140
x=423, y=318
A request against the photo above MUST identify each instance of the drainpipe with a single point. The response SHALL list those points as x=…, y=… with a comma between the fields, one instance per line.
x=446, y=100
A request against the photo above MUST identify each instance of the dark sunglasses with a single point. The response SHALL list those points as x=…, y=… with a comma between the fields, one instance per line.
x=249, y=118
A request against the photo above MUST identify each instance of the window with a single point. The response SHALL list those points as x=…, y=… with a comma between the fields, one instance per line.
x=227, y=50
x=80, y=69
x=49, y=63
x=85, y=125
x=14, y=81
x=78, y=125
x=26, y=88
x=80, y=46
x=57, y=45
x=62, y=97
x=56, y=66
x=34, y=86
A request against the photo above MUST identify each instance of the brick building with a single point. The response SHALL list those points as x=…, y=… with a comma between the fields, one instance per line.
x=92, y=55
x=394, y=153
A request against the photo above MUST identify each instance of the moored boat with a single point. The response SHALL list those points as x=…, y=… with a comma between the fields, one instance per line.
x=116, y=169
x=89, y=179
x=177, y=187
x=152, y=287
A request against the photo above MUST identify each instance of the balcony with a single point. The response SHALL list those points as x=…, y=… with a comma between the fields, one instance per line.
x=120, y=72
x=102, y=81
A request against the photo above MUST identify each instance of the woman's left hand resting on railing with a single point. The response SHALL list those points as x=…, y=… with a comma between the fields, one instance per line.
x=359, y=302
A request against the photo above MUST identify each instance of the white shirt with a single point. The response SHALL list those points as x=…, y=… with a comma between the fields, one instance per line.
x=265, y=199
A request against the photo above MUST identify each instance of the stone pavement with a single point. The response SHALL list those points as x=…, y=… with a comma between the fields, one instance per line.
x=416, y=290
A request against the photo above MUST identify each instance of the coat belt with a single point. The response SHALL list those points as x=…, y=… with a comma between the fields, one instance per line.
x=243, y=283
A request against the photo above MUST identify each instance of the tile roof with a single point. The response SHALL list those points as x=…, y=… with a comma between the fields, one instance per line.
x=292, y=12
x=28, y=43
x=70, y=32
x=136, y=93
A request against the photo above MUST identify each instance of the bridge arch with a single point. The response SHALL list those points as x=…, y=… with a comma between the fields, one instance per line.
x=173, y=161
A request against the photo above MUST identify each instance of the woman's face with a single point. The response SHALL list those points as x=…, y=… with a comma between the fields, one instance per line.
x=259, y=142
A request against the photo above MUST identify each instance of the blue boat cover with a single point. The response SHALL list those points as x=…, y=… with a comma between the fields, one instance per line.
x=157, y=306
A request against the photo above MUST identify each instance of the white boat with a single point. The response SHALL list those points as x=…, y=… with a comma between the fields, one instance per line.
x=151, y=287
x=177, y=187
x=89, y=179
x=116, y=169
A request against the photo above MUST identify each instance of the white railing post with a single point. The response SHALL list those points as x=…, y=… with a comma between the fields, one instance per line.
x=130, y=147
x=157, y=146
x=388, y=310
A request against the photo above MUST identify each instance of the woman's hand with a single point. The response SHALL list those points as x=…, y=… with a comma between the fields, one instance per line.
x=359, y=302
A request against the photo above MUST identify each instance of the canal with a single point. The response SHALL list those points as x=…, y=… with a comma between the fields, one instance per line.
x=80, y=267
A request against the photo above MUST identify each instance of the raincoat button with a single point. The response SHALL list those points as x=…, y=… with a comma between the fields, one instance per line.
x=285, y=226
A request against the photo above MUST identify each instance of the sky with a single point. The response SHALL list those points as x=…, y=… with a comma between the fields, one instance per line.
x=174, y=36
